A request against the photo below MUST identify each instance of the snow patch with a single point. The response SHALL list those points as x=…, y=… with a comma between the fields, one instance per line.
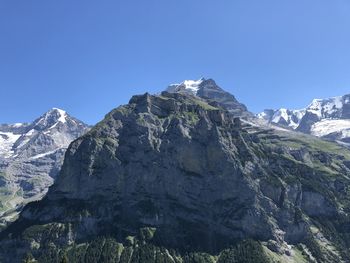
x=263, y=115
x=62, y=113
x=25, y=138
x=42, y=154
x=24, y=142
x=30, y=132
x=17, y=125
x=280, y=114
x=328, y=126
x=7, y=140
x=192, y=85
x=188, y=85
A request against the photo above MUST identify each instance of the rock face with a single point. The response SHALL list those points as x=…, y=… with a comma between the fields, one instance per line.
x=326, y=118
x=30, y=158
x=173, y=178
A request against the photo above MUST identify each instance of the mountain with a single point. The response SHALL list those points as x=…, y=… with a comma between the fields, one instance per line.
x=209, y=90
x=174, y=178
x=326, y=118
x=31, y=155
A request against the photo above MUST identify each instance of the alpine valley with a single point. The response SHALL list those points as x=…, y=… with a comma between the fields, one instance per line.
x=31, y=155
x=188, y=175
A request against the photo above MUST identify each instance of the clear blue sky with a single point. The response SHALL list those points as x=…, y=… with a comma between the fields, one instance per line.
x=88, y=57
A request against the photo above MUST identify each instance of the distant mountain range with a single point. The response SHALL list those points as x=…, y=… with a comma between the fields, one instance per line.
x=31, y=155
x=326, y=118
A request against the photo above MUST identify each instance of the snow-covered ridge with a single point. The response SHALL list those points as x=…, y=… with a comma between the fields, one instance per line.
x=191, y=86
x=283, y=116
x=328, y=118
x=54, y=129
x=7, y=140
x=17, y=125
x=53, y=116
x=292, y=118
x=322, y=108
x=326, y=107
x=43, y=154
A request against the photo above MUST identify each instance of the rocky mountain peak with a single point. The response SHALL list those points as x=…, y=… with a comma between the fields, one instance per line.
x=209, y=90
x=52, y=118
x=55, y=129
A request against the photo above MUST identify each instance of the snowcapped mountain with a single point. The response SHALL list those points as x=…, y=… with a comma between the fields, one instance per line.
x=282, y=116
x=328, y=118
x=54, y=130
x=208, y=89
x=30, y=157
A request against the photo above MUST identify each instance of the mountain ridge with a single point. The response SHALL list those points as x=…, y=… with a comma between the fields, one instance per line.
x=320, y=118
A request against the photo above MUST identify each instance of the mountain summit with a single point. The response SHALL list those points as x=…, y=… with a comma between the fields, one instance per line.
x=54, y=117
x=51, y=118
x=53, y=130
x=187, y=86
x=209, y=90
x=30, y=157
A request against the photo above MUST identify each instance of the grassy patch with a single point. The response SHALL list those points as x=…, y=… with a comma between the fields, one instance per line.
x=204, y=105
